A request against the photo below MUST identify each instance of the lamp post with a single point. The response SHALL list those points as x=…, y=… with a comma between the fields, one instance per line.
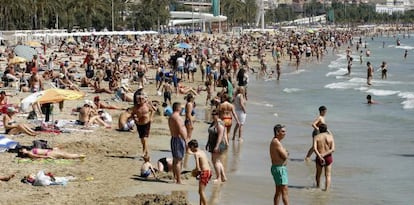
x=192, y=15
x=112, y=13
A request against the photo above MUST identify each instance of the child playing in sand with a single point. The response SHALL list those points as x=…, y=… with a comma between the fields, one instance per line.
x=147, y=168
x=203, y=168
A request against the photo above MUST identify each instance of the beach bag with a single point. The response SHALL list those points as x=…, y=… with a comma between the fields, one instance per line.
x=42, y=144
x=89, y=72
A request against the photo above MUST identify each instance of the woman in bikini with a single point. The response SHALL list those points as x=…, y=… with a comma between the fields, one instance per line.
x=227, y=112
x=55, y=153
x=12, y=127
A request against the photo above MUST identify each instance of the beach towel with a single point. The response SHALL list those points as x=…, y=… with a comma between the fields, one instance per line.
x=44, y=161
x=6, y=143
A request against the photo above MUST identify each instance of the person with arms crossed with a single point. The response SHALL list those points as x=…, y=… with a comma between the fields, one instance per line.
x=279, y=156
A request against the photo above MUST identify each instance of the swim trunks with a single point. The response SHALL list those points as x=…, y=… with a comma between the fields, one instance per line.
x=146, y=173
x=78, y=122
x=227, y=121
x=144, y=130
x=177, y=147
x=280, y=174
x=205, y=176
x=328, y=160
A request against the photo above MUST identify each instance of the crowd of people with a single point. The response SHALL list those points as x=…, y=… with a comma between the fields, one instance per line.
x=224, y=65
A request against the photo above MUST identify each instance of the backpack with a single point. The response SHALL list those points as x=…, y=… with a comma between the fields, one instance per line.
x=89, y=72
x=42, y=144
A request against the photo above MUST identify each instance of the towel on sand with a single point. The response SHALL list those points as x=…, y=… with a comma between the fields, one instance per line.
x=6, y=143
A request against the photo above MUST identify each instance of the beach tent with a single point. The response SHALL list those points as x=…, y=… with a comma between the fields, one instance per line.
x=53, y=95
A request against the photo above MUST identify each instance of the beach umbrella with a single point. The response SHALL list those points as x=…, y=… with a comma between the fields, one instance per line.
x=26, y=52
x=17, y=60
x=34, y=44
x=53, y=95
x=311, y=31
x=183, y=45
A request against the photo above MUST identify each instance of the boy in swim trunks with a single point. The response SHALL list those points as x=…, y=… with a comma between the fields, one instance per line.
x=324, y=146
x=279, y=156
x=203, y=167
x=147, y=169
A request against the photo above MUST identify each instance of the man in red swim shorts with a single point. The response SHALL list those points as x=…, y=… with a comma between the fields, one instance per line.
x=203, y=168
x=324, y=146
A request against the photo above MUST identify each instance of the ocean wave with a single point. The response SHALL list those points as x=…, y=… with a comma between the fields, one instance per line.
x=378, y=92
x=275, y=114
x=340, y=85
x=340, y=71
x=408, y=103
x=291, y=90
x=266, y=104
x=296, y=72
x=405, y=47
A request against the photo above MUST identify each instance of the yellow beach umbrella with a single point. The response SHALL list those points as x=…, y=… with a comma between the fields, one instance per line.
x=17, y=60
x=34, y=44
x=55, y=95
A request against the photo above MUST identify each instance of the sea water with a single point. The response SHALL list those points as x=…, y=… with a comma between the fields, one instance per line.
x=374, y=156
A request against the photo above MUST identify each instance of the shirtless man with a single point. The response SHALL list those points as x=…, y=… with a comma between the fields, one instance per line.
x=35, y=83
x=167, y=90
x=324, y=146
x=203, y=169
x=370, y=73
x=178, y=140
x=227, y=112
x=141, y=70
x=88, y=116
x=143, y=114
x=319, y=120
x=125, y=121
x=279, y=156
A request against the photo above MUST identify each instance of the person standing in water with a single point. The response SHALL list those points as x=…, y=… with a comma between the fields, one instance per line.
x=279, y=156
x=319, y=120
x=324, y=146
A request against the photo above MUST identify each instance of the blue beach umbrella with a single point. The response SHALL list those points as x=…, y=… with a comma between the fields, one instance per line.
x=26, y=52
x=183, y=45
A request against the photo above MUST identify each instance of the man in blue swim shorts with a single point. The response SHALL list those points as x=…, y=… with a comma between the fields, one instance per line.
x=279, y=156
x=178, y=140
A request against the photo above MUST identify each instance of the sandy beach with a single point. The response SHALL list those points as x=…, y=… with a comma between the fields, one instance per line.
x=110, y=172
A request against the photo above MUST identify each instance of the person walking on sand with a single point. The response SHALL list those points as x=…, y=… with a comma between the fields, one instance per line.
x=203, y=169
x=240, y=107
x=189, y=115
x=217, y=145
x=320, y=119
x=143, y=113
x=279, y=156
x=178, y=140
x=227, y=113
x=324, y=146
